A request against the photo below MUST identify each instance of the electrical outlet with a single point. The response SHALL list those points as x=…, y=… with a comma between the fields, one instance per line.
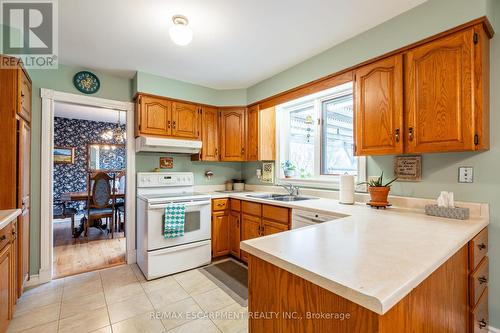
x=465, y=174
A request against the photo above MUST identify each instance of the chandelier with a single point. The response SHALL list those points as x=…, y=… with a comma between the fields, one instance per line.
x=117, y=134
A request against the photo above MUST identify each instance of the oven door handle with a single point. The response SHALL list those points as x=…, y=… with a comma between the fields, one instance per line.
x=187, y=203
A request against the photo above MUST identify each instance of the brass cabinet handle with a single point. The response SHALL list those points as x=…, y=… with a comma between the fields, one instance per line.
x=242, y=151
x=482, y=323
x=410, y=133
x=482, y=279
x=168, y=124
x=220, y=204
x=216, y=152
x=397, y=134
x=3, y=237
x=481, y=246
x=173, y=125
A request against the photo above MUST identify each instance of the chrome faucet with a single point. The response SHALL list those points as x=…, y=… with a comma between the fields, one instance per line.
x=291, y=189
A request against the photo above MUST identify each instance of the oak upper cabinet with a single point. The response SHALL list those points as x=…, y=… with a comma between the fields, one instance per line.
x=233, y=134
x=153, y=116
x=220, y=233
x=185, y=120
x=379, y=107
x=209, y=134
x=446, y=107
x=261, y=134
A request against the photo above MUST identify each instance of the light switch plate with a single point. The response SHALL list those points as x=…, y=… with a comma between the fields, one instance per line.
x=465, y=174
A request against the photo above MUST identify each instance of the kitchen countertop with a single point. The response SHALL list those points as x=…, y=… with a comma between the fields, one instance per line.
x=371, y=257
x=7, y=215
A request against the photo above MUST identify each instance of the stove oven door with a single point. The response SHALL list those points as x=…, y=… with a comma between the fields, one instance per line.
x=197, y=224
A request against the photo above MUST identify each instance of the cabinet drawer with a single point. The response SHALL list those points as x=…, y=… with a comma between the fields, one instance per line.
x=5, y=235
x=478, y=281
x=220, y=204
x=478, y=247
x=479, y=316
x=275, y=213
x=236, y=205
x=251, y=208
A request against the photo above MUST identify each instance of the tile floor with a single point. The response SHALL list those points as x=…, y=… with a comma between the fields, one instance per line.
x=120, y=300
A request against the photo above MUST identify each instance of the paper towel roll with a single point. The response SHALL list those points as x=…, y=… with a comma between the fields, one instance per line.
x=347, y=189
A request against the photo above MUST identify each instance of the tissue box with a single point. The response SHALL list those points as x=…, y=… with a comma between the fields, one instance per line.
x=451, y=213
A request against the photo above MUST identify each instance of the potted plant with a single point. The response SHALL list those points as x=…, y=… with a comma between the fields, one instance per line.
x=378, y=191
x=288, y=168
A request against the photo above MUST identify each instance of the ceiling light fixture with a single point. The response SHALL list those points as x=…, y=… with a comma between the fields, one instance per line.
x=180, y=33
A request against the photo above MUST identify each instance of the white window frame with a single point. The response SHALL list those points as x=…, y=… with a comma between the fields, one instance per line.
x=319, y=180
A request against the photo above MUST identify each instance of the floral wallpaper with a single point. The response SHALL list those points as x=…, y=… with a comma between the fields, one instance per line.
x=78, y=133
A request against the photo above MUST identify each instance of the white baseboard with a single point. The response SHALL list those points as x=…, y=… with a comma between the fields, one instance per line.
x=493, y=329
x=33, y=281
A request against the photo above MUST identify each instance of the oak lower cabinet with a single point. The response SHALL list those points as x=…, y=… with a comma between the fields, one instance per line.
x=220, y=227
x=379, y=107
x=250, y=228
x=446, y=301
x=8, y=293
x=261, y=134
x=233, y=134
x=235, y=228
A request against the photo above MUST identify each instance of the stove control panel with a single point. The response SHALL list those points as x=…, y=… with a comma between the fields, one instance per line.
x=157, y=179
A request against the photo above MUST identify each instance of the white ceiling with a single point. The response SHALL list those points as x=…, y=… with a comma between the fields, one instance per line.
x=76, y=111
x=236, y=43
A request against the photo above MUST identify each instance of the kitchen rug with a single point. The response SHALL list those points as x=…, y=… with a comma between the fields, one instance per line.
x=230, y=276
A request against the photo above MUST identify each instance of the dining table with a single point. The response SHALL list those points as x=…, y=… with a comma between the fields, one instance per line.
x=83, y=195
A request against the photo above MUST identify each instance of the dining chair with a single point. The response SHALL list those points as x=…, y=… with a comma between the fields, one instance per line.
x=100, y=201
x=60, y=211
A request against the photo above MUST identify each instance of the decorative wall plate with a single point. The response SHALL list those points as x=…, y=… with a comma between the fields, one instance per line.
x=86, y=82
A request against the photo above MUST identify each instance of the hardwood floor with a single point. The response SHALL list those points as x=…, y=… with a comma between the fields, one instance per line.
x=98, y=252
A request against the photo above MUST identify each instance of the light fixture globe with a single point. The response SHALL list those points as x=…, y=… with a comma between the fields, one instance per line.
x=180, y=33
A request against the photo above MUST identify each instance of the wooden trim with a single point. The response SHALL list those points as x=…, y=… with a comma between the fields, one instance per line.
x=314, y=86
x=138, y=94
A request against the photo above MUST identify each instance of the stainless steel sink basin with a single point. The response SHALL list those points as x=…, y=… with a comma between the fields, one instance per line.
x=278, y=197
x=264, y=196
x=291, y=198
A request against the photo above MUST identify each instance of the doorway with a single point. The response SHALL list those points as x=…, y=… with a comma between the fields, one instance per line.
x=89, y=142
x=79, y=142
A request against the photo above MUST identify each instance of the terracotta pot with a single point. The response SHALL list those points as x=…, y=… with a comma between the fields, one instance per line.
x=379, y=194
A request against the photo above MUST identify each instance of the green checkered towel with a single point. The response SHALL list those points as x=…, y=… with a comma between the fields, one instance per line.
x=175, y=216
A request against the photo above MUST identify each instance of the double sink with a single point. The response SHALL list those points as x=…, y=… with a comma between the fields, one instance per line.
x=279, y=197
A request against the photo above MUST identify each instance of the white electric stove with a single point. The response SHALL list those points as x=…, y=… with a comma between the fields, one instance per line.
x=158, y=256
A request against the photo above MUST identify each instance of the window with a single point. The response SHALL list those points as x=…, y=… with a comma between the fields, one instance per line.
x=316, y=138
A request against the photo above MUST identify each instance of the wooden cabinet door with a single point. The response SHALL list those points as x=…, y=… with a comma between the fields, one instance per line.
x=6, y=279
x=438, y=95
x=270, y=227
x=379, y=107
x=220, y=233
x=250, y=228
x=253, y=133
x=24, y=109
x=210, y=134
x=155, y=115
x=185, y=120
x=24, y=185
x=234, y=234
x=233, y=136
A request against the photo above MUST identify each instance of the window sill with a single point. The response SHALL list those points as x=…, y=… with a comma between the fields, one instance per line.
x=330, y=184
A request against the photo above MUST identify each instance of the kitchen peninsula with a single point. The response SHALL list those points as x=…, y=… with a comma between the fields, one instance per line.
x=372, y=271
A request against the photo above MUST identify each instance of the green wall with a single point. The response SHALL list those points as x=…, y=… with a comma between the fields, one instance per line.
x=223, y=171
x=162, y=86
